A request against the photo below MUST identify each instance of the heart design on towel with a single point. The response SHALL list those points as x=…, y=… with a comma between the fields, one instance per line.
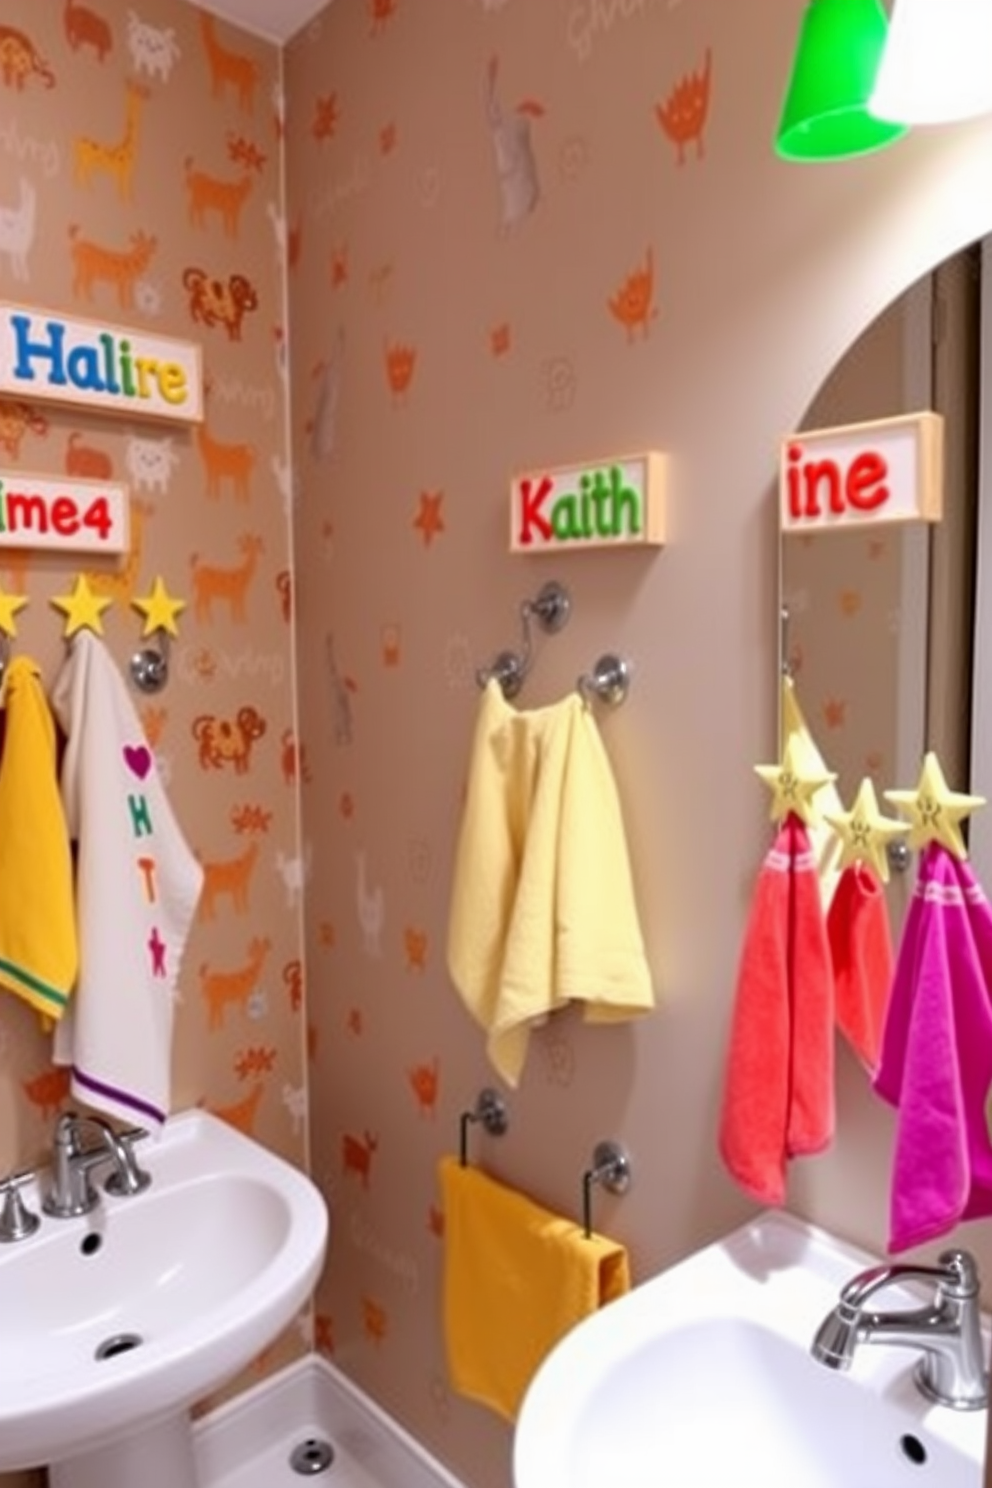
x=138, y=759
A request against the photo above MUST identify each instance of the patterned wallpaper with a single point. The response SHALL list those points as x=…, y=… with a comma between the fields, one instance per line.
x=140, y=185
x=523, y=234
x=473, y=289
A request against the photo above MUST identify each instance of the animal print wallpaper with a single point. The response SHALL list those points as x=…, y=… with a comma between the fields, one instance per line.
x=525, y=234
x=141, y=186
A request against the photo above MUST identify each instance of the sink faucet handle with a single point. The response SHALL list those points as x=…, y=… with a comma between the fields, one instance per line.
x=128, y=1176
x=17, y=1221
x=960, y=1278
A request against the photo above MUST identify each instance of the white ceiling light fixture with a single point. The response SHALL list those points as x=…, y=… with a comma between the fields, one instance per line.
x=937, y=62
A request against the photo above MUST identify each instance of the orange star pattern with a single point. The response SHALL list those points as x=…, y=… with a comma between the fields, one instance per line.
x=429, y=520
x=835, y=713
x=339, y=267
x=325, y=117
x=416, y=949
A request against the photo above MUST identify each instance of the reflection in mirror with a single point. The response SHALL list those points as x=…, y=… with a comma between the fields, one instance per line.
x=876, y=620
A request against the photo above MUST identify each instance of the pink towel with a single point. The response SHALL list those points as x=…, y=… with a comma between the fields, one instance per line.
x=779, y=1094
x=936, y=1065
x=861, y=949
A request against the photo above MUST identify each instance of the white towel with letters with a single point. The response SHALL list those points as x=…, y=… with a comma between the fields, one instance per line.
x=137, y=886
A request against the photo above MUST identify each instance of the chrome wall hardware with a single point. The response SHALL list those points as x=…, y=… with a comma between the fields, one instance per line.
x=550, y=610
x=611, y=1170
x=490, y=1110
x=608, y=682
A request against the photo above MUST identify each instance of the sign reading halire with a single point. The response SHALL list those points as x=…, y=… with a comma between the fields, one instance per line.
x=890, y=470
x=605, y=504
x=44, y=511
x=68, y=360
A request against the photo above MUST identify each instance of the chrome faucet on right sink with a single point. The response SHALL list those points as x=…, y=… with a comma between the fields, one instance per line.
x=947, y=1333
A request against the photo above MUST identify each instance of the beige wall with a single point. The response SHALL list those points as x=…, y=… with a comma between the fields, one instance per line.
x=148, y=95
x=759, y=275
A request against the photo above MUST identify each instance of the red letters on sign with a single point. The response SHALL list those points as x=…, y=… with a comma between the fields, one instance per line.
x=816, y=486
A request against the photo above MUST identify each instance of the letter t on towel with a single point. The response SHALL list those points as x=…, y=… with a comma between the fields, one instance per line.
x=517, y=1278
x=137, y=884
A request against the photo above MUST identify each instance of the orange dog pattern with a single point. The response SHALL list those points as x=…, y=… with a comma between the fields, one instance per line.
x=229, y=585
x=219, y=302
x=221, y=989
x=227, y=741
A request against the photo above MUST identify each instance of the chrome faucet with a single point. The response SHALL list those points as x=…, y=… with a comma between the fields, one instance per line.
x=951, y=1369
x=72, y=1192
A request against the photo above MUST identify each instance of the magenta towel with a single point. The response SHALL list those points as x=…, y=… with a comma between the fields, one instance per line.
x=936, y=1064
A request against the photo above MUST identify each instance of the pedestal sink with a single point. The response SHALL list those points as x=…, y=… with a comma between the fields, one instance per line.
x=114, y=1324
x=703, y=1376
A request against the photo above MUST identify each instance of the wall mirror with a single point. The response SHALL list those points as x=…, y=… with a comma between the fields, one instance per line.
x=877, y=621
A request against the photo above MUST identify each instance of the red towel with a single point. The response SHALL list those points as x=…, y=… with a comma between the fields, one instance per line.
x=861, y=949
x=778, y=1097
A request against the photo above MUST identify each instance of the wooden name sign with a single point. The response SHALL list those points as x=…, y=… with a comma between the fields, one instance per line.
x=75, y=516
x=608, y=504
x=88, y=364
x=887, y=471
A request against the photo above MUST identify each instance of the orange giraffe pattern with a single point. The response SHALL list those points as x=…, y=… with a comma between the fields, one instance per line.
x=121, y=584
x=92, y=157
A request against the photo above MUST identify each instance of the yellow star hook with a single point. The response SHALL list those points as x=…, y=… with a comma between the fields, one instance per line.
x=864, y=832
x=9, y=606
x=82, y=608
x=934, y=810
x=794, y=783
x=159, y=609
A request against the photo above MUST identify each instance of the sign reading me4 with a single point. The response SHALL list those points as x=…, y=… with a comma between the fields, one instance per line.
x=77, y=516
x=890, y=470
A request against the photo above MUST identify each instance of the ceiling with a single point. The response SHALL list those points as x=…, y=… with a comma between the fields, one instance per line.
x=276, y=19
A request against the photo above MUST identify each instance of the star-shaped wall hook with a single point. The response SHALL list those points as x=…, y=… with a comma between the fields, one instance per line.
x=935, y=811
x=793, y=784
x=159, y=609
x=864, y=833
x=82, y=608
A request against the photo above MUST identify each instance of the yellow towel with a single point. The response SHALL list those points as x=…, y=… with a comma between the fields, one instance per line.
x=517, y=1278
x=38, y=948
x=542, y=905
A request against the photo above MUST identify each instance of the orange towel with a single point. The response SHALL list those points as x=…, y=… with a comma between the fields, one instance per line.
x=517, y=1278
x=778, y=1098
x=861, y=951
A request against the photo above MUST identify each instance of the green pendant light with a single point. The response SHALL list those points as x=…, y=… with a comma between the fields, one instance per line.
x=825, y=115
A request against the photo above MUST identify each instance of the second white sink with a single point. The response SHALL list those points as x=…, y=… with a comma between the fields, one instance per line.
x=703, y=1376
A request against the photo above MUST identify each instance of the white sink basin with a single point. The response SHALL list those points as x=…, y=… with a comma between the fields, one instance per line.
x=703, y=1376
x=181, y=1285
